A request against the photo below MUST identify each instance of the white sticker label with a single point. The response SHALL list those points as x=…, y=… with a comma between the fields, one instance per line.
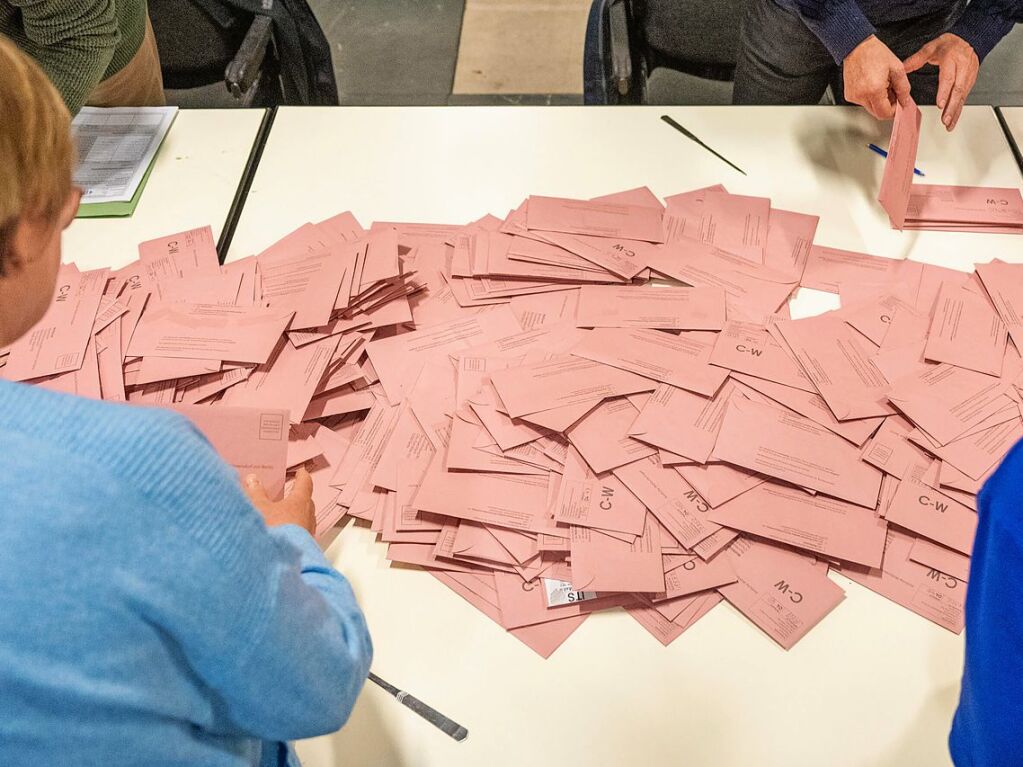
x=561, y=593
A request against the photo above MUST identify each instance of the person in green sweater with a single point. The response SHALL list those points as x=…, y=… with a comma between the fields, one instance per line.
x=96, y=52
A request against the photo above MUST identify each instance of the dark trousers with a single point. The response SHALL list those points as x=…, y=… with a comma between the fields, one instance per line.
x=782, y=62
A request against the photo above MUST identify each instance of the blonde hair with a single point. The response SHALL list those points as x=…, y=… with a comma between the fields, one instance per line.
x=36, y=150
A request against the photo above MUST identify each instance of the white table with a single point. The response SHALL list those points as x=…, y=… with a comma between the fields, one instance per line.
x=1013, y=117
x=872, y=685
x=193, y=183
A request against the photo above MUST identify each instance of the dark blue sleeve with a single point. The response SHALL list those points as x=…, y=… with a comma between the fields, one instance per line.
x=987, y=729
x=985, y=22
x=840, y=25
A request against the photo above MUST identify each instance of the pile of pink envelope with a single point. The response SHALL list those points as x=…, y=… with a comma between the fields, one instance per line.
x=516, y=412
x=940, y=207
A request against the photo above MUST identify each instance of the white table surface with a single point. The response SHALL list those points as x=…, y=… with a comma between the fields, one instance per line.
x=193, y=182
x=1013, y=117
x=874, y=684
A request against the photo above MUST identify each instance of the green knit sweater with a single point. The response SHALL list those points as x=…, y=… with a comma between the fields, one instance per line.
x=78, y=43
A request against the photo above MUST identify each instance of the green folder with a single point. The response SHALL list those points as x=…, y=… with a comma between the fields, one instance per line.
x=115, y=209
x=90, y=117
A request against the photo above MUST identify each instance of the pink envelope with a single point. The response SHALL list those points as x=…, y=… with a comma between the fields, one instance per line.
x=671, y=499
x=621, y=257
x=965, y=208
x=681, y=360
x=603, y=563
x=780, y=591
x=745, y=347
x=525, y=603
x=947, y=401
x=719, y=482
x=789, y=238
x=83, y=382
x=873, y=318
x=601, y=436
x=891, y=451
x=541, y=309
x=810, y=406
x=57, y=343
x=794, y=449
x=479, y=591
x=927, y=512
x=600, y=502
x=839, y=363
x=666, y=630
x=352, y=475
x=695, y=575
x=108, y=360
x=181, y=253
x=518, y=502
x=681, y=422
x=939, y=558
x=206, y=331
x=599, y=219
x=1004, y=286
x=399, y=360
x=897, y=181
x=936, y=596
x=252, y=440
x=732, y=222
x=608, y=306
x=155, y=369
x=827, y=268
x=563, y=381
x=287, y=380
x=304, y=283
x=816, y=523
x=748, y=296
x=965, y=331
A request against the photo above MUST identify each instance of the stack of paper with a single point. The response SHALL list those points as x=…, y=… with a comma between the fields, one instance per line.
x=116, y=148
x=512, y=410
x=935, y=206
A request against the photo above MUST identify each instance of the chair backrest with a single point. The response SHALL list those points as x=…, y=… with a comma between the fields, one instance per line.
x=196, y=46
x=696, y=31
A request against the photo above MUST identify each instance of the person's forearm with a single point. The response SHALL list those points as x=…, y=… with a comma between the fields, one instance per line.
x=985, y=22
x=73, y=41
x=839, y=24
x=75, y=73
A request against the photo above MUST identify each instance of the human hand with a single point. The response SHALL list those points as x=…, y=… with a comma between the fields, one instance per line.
x=875, y=79
x=296, y=508
x=957, y=64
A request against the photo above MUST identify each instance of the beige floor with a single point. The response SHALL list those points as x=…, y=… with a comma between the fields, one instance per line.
x=521, y=46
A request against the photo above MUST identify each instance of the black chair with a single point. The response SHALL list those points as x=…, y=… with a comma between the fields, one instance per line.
x=203, y=45
x=242, y=53
x=661, y=51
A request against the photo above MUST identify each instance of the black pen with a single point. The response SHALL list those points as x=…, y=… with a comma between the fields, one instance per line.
x=432, y=715
x=689, y=135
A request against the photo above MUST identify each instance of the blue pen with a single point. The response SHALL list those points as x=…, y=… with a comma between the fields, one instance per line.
x=880, y=151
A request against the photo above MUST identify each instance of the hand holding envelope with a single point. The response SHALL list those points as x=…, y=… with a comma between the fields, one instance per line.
x=940, y=207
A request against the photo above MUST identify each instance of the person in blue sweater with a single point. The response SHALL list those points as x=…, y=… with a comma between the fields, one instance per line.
x=988, y=727
x=872, y=52
x=152, y=611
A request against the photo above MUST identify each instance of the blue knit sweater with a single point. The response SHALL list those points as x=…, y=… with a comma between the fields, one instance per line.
x=988, y=726
x=843, y=24
x=147, y=615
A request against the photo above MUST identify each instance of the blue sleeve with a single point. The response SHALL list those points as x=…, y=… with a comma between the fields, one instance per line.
x=986, y=729
x=259, y=615
x=840, y=25
x=985, y=22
